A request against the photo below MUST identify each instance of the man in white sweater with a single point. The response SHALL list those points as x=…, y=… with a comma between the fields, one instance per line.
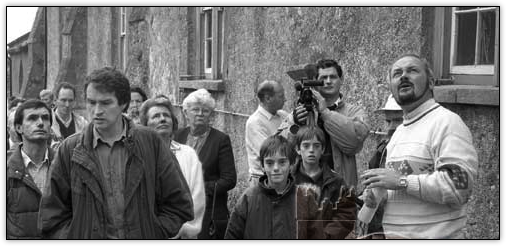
x=431, y=162
x=158, y=114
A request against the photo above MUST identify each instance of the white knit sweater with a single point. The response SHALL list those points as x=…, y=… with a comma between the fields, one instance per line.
x=431, y=139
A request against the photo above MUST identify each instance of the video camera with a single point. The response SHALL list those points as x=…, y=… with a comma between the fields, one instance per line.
x=306, y=78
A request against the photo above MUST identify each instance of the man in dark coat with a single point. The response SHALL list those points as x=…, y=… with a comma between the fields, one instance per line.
x=27, y=168
x=114, y=179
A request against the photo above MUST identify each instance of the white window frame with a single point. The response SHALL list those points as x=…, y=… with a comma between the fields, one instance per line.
x=123, y=38
x=213, y=69
x=207, y=40
x=476, y=69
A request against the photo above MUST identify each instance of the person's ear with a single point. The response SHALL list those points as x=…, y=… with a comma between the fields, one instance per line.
x=432, y=82
x=17, y=128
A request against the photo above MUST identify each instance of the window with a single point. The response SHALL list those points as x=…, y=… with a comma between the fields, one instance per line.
x=205, y=44
x=473, y=40
x=122, y=38
x=466, y=55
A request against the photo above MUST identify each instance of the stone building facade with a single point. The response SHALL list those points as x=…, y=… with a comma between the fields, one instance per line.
x=229, y=50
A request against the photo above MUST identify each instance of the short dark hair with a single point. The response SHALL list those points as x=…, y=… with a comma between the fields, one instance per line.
x=32, y=103
x=326, y=63
x=307, y=133
x=274, y=144
x=65, y=85
x=140, y=91
x=160, y=101
x=15, y=101
x=109, y=80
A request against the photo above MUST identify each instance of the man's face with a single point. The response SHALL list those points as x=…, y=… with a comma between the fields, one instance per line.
x=103, y=109
x=36, y=125
x=278, y=99
x=159, y=119
x=47, y=99
x=135, y=103
x=198, y=114
x=331, y=82
x=277, y=168
x=65, y=101
x=393, y=118
x=408, y=80
x=311, y=151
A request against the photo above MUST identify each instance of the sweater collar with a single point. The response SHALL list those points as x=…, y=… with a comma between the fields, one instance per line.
x=420, y=112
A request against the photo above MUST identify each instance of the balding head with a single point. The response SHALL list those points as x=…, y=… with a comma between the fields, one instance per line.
x=271, y=95
x=266, y=88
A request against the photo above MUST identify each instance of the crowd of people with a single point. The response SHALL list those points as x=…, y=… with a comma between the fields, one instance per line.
x=128, y=171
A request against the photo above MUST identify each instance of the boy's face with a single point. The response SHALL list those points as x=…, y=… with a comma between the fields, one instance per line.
x=311, y=151
x=277, y=168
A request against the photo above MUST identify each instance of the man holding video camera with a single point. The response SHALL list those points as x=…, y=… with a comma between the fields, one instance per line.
x=344, y=124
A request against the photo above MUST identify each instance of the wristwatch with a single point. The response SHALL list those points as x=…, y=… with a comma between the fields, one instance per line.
x=403, y=182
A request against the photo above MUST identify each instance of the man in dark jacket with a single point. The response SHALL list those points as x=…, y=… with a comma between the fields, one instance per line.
x=329, y=191
x=27, y=168
x=114, y=179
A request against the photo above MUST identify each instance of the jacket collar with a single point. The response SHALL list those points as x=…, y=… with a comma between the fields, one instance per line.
x=84, y=156
x=327, y=173
x=17, y=168
x=27, y=159
x=271, y=191
x=88, y=135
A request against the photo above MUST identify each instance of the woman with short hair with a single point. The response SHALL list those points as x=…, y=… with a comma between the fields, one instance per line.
x=215, y=152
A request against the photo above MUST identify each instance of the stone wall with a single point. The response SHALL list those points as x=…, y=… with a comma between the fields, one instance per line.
x=264, y=43
x=483, y=208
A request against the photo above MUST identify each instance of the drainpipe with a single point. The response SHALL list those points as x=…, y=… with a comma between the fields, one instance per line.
x=10, y=75
x=45, y=50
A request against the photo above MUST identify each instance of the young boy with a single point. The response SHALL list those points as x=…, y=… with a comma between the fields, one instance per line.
x=267, y=210
x=329, y=187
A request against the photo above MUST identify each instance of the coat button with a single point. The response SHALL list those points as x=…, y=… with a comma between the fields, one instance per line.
x=16, y=171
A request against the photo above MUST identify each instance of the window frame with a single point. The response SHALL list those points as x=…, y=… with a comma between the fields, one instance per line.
x=443, y=54
x=473, y=89
x=470, y=69
x=123, y=45
x=214, y=71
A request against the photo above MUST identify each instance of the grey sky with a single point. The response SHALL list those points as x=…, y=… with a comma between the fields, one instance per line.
x=19, y=21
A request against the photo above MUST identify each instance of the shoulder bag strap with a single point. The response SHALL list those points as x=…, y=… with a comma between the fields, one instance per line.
x=214, y=201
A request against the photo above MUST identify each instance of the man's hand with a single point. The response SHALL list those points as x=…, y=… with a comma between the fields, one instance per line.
x=300, y=115
x=381, y=177
x=321, y=100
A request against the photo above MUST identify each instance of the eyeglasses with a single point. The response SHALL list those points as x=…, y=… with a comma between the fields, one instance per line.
x=198, y=110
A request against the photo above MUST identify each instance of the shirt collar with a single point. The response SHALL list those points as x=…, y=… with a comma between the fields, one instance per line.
x=96, y=135
x=66, y=123
x=174, y=146
x=27, y=160
x=266, y=113
x=335, y=105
